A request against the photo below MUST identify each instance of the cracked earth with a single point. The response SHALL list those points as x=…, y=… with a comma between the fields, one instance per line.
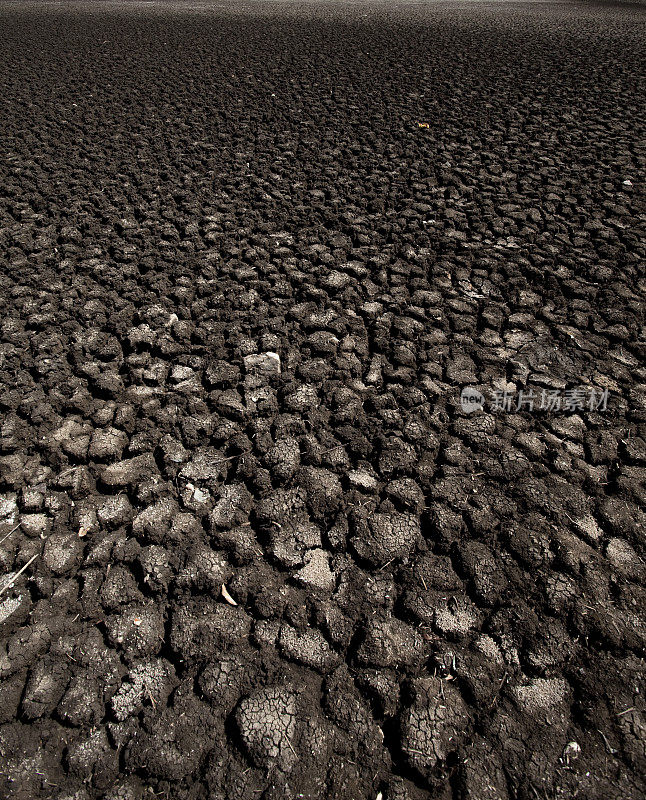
x=251, y=543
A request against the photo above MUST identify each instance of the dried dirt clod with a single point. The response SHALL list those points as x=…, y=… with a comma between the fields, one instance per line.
x=208, y=467
x=62, y=552
x=391, y=643
x=149, y=681
x=481, y=773
x=240, y=543
x=307, y=647
x=202, y=627
x=154, y=522
x=82, y=704
x=625, y=560
x=138, y=630
x=541, y=694
x=434, y=725
x=284, y=458
x=323, y=488
x=45, y=687
x=232, y=508
x=129, y=473
x=290, y=541
x=407, y=494
x=115, y=511
x=264, y=364
x=94, y=758
x=316, y=573
x=363, y=480
x=35, y=525
x=107, y=444
x=174, y=743
x=9, y=606
x=266, y=722
x=344, y=704
x=383, y=537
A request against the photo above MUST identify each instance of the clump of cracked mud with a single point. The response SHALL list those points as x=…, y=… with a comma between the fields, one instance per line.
x=251, y=544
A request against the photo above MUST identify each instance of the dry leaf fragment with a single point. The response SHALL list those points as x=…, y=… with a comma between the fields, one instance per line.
x=227, y=596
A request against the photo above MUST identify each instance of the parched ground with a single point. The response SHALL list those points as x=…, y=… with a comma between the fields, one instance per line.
x=394, y=201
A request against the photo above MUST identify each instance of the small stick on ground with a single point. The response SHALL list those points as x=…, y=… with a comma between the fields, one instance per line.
x=11, y=582
x=7, y=535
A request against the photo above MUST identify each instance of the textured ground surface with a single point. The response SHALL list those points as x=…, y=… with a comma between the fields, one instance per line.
x=425, y=603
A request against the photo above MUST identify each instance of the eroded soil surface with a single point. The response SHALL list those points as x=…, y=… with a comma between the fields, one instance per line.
x=398, y=201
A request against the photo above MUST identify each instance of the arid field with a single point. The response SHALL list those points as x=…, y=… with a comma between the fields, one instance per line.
x=256, y=542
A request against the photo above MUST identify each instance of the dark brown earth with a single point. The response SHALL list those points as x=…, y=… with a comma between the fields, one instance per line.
x=399, y=201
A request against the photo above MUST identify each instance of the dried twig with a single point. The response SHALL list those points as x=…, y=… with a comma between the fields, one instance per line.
x=7, y=535
x=12, y=580
x=611, y=750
